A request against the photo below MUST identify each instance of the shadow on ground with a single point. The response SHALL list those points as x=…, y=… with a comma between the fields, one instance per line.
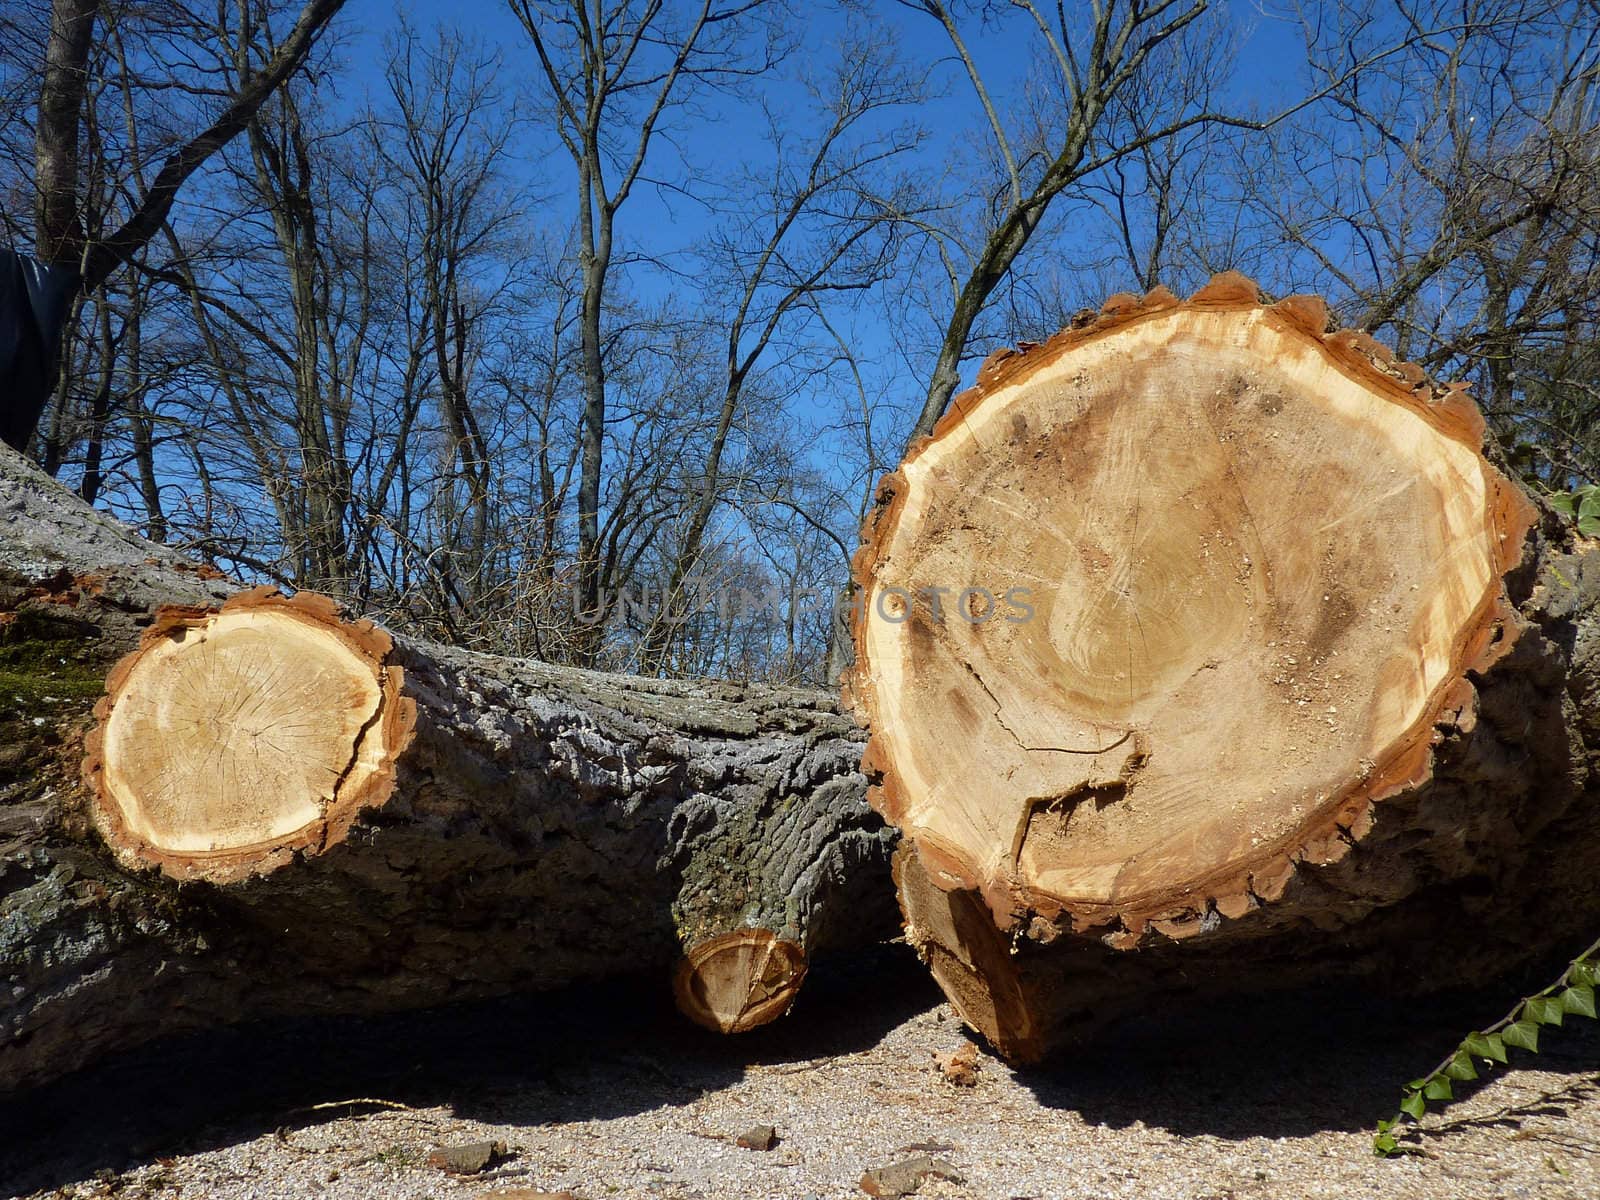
x=583, y=1053
x=1290, y=1065
x=1285, y=1067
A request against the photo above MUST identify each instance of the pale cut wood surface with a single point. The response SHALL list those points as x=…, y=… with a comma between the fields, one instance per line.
x=1307, y=691
x=1252, y=571
x=230, y=738
x=739, y=980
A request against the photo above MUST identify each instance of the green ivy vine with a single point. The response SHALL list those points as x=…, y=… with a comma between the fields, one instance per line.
x=1582, y=505
x=1573, y=994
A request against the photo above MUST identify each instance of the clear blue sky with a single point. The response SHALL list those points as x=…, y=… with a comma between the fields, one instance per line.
x=1268, y=68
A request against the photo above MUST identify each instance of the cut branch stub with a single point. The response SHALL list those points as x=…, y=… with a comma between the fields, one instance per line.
x=739, y=980
x=232, y=739
x=1164, y=605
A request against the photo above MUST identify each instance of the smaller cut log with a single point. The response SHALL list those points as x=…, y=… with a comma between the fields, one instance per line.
x=284, y=810
x=739, y=980
x=232, y=739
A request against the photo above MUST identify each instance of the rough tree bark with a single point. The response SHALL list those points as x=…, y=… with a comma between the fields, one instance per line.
x=1273, y=678
x=315, y=817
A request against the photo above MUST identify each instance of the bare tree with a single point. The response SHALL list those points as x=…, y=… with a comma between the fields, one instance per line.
x=445, y=148
x=61, y=238
x=1066, y=133
x=1162, y=211
x=1091, y=61
x=812, y=229
x=613, y=74
x=1456, y=209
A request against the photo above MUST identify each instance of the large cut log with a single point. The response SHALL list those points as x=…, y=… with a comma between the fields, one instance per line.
x=1204, y=650
x=274, y=808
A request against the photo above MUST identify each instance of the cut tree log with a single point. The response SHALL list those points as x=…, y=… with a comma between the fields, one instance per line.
x=1204, y=649
x=739, y=980
x=280, y=810
x=232, y=739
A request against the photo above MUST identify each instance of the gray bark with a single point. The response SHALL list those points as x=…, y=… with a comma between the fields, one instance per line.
x=548, y=825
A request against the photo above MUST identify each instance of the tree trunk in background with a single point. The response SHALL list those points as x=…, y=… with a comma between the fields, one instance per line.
x=304, y=815
x=1271, y=677
x=80, y=266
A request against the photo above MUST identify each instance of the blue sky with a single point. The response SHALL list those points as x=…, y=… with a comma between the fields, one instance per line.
x=1267, y=69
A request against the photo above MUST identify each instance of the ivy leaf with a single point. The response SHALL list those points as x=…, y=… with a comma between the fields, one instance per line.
x=1562, y=503
x=1461, y=1067
x=1584, y=972
x=1544, y=1009
x=1486, y=1045
x=1414, y=1106
x=1588, y=501
x=1579, y=999
x=1522, y=1033
x=1384, y=1145
x=1589, y=526
x=1438, y=1088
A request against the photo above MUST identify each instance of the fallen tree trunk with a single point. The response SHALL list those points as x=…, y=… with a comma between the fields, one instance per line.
x=1204, y=651
x=280, y=810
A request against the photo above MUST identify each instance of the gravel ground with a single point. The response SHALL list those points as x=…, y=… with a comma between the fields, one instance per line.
x=594, y=1095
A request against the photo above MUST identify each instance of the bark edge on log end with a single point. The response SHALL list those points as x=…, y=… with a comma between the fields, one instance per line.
x=739, y=980
x=233, y=739
x=1481, y=638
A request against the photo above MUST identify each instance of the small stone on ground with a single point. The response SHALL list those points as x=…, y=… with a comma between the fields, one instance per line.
x=471, y=1159
x=758, y=1137
x=907, y=1176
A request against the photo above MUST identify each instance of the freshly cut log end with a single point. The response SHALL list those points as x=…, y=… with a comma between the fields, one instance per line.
x=739, y=980
x=1160, y=611
x=1208, y=578
x=232, y=739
